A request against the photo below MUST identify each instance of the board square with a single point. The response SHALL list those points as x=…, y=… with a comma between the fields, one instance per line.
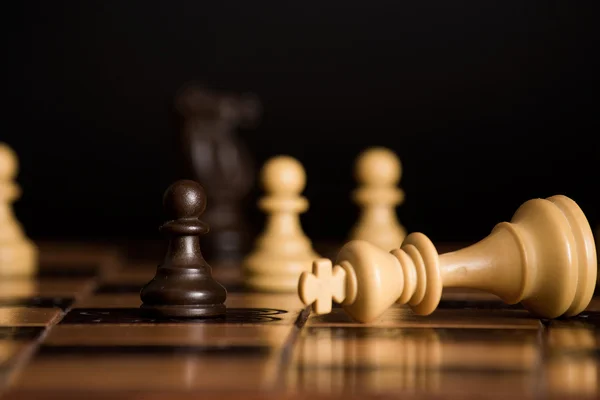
x=145, y=350
x=25, y=316
x=402, y=316
x=447, y=349
x=410, y=382
x=120, y=300
x=9, y=350
x=25, y=288
x=98, y=335
x=138, y=316
x=377, y=359
x=254, y=369
x=27, y=333
x=39, y=302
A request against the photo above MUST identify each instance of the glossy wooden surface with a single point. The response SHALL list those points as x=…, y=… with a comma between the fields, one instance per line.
x=95, y=344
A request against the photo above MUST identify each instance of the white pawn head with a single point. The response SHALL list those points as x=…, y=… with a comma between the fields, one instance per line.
x=8, y=163
x=378, y=167
x=283, y=175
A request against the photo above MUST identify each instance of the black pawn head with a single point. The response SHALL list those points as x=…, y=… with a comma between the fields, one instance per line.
x=184, y=199
x=183, y=285
x=184, y=202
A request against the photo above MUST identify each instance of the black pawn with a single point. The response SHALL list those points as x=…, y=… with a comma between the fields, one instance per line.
x=183, y=285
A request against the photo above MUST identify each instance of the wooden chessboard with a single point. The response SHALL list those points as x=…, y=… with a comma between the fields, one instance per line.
x=75, y=331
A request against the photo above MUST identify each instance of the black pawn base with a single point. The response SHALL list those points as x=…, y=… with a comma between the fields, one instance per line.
x=178, y=292
x=204, y=311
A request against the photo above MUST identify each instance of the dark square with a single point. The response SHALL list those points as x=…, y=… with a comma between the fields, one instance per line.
x=139, y=316
x=127, y=350
x=586, y=319
x=39, y=302
x=477, y=305
x=20, y=332
x=490, y=335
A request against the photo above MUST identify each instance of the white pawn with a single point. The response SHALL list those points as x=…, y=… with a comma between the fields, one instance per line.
x=598, y=241
x=282, y=252
x=18, y=255
x=378, y=171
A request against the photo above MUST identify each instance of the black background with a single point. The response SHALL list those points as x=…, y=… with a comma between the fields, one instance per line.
x=488, y=104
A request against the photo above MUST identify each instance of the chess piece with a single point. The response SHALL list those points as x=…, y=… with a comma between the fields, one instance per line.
x=221, y=162
x=378, y=171
x=183, y=285
x=18, y=254
x=598, y=240
x=545, y=258
x=282, y=251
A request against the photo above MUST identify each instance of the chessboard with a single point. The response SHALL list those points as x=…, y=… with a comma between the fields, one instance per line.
x=75, y=330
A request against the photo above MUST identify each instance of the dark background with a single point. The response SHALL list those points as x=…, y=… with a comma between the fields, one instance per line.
x=488, y=104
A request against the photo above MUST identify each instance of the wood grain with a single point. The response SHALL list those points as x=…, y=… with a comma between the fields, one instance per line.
x=271, y=348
